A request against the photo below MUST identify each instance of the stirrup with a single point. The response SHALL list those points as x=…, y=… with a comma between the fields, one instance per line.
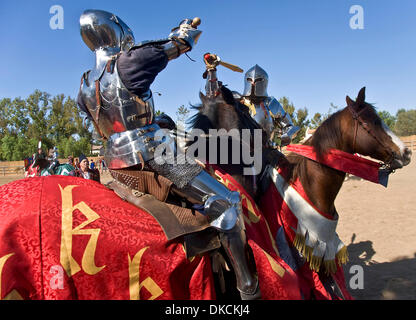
x=254, y=295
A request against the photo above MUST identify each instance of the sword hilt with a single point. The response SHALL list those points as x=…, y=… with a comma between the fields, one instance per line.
x=212, y=60
x=195, y=22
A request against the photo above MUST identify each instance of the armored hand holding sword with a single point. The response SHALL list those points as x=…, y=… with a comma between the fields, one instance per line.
x=264, y=109
x=116, y=95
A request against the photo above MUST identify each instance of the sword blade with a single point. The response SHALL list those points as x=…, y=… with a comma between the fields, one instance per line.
x=231, y=66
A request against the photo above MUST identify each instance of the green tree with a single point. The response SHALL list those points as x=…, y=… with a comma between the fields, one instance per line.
x=60, y=125
x=406, y=122
x=299, y=118
x=18, y=118
x=316, y=120
x=7, y=147
x=4, y=116
x=387, y=118
x=38, y=109
x=181, y=115
x=56, y=121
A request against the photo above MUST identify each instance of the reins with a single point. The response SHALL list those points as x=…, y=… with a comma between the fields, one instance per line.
x=359, y=121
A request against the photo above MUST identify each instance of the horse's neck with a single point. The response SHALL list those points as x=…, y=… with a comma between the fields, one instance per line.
x=248, y=182
x=321, y=185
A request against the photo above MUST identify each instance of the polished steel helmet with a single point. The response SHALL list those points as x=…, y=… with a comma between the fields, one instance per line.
x=255, y=82
x=102, y=29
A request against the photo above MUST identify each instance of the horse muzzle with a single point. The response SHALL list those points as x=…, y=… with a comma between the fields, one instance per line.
x=407, y=155
x=400, y=161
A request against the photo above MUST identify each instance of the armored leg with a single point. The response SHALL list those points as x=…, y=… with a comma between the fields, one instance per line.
x=235, y=244
x=223, y=209
x=221, y=206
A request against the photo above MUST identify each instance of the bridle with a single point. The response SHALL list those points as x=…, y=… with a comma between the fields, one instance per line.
x=359, y=121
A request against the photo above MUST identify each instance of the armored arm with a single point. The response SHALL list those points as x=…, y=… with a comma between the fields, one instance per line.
x=182, y=38
x=165, y=122
x=283, y=121
x=212, y=85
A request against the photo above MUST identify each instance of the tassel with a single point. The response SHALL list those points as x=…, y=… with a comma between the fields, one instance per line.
x=299, y=242
x=315, y=263
x=308, y=253
x=342, y=256
x=330, y=266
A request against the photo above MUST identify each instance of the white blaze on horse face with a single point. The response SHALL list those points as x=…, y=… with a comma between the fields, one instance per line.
x=399, y=143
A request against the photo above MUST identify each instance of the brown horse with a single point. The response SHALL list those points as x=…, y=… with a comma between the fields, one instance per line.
x=355, y=129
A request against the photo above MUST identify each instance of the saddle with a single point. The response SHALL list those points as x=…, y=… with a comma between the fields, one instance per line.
x=153, y=193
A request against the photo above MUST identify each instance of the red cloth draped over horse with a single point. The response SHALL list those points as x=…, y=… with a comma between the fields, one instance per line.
x=274, y=226
x=71, y=238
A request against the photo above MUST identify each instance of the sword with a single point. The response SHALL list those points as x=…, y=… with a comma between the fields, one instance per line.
x=212, y=60
x=231, y=66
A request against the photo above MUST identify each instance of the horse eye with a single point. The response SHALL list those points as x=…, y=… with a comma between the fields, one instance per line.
x=249, y=80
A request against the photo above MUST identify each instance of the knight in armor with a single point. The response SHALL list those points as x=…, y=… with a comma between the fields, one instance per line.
x=116, y=96
x=53, y=162
x=265, y=109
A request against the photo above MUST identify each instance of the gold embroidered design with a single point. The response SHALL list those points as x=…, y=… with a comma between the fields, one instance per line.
x=275, y=266
x=134, y=279
x=13, y=295
x=69, y=264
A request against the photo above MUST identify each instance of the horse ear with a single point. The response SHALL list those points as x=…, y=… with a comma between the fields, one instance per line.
x=350, y=102
x=361, y=96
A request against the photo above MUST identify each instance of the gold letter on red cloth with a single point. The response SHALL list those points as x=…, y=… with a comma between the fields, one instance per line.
x=69, y=264
x=275, y=266
x=14, y=295
x=134, y=279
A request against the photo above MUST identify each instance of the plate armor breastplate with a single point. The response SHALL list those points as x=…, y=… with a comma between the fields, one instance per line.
x=261, y=113
x=112, y=106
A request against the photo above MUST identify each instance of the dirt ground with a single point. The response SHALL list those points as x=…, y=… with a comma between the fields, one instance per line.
x=379, y=227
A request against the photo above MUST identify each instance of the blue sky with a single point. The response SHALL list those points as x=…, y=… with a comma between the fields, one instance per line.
x=307, y=47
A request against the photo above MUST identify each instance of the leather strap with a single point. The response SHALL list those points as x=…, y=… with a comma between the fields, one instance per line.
x=164, y=216
x=144, y=181
x=175, y=221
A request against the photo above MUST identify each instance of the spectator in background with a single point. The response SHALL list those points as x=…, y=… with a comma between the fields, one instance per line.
x=76, y=163
x=104, y=165
x=84, y=170
x=92, y=164
x=71, y=161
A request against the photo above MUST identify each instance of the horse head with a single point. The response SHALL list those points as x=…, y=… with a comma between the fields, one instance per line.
x=39, y=160
x=223, y=113
x=217, y=112
x=370, y=136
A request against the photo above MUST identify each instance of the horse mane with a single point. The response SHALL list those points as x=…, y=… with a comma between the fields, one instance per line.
x=225, y=112
x=326, y=136
x=202, y=119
